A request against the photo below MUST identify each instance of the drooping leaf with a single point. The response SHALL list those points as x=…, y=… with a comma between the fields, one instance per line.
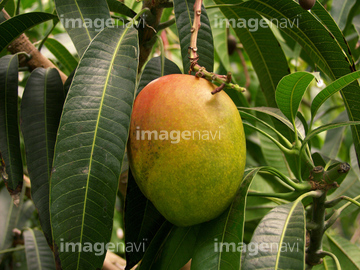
x=83, y=20
x=38, y=253
x=340, y=11
x=15, y=26
x=152, y=71
x=10, y=215
x=331, y=89
x=227, y=231
x=9, y=130
x=279, y=239
x=142, y=221
x=277, y=114
x=3, y=3
x=155, y=244
x=41, y=109
x=121, y=8
x=324, y=48
x=345, y=251
x=290, y=91
x=334, y=138
x=260, y=44
x=184, y=14
x=91, y=144
x=175, y=251
x=62, y=54
x=326, y=127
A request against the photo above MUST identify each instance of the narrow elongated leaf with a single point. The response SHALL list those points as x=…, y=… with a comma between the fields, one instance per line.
x=91, y=144
x=142, y=221
x=290, y=91
x=83, y=20
x=328, y=21
x=279, y=239
x=9, y=131
x=217, y=245
x=121, y=8
x=14, y=27
x=156, y=243
x=38, y=253
x=219, y=33
x=324, y=47
x=175, y=251
x=340, y=11
x=152, y=71
x=262, y=47
x=3, y=3
x=10, y=215
x=61, y=53
x=27, y=210
x=345, y=251
x=184, y=14
x=334, y=137
x=276, y=113
x=326, y=127
x=331, y=89
x=41, y=109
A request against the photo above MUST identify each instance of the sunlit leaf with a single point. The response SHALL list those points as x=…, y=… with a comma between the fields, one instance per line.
x=290, y=91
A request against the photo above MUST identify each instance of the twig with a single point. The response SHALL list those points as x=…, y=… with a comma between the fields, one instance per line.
x=224, y=81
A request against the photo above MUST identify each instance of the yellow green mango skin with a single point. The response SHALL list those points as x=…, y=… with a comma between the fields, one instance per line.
x=194, y=180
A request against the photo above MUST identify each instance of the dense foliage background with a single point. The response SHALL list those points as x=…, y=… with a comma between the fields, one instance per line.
x=69, y=72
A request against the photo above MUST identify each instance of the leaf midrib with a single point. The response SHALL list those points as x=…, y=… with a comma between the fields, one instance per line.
x=94, y=138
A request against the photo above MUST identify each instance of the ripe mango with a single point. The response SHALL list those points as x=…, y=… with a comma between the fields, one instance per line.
x=186, y=148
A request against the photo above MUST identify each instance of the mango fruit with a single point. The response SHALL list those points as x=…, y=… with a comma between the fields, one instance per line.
x=186, y=148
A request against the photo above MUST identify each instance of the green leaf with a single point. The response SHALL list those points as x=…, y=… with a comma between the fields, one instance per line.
x=9, y=130
x=121, y=8
x=2, y=4
x=262, y=47
x=91, y=144
x=83, y=21
x=277, y=114
x=334, y=138
x=340, y=11
x=41, y=109
x=155, y=245
x=331, y=89
x=175, y=251
x=184, y=14
x=219, y=34
x=326, y=127
x=326, y=49
x=345, y=251
x=142, y=221
x=279, y=239
x=15, y=26
x=38, y=253
x=10, y=215
x=290, y=92
x=225, y=231
x=328, y=21
x=152, y=71
x=62, y=54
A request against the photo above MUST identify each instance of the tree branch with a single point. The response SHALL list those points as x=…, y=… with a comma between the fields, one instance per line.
x=23, y=44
